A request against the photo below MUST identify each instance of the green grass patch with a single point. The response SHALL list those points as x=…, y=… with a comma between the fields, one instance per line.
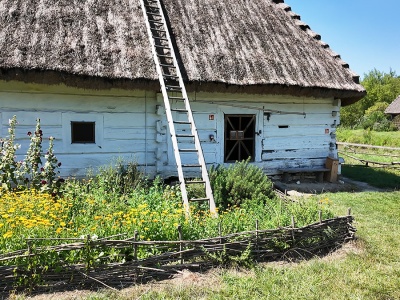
x=381, y=178
x=388, y=139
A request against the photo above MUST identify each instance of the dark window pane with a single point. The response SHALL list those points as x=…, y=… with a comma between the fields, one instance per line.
x=82, y=132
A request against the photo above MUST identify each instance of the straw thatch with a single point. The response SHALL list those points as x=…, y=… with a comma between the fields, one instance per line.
x=394, y=107
x=227, y=46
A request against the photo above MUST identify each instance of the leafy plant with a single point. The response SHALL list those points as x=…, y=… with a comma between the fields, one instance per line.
x=239, y=183
x=30, y=173
x=9, y=167
x=121, y=178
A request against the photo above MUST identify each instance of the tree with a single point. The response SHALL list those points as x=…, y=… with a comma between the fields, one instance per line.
x=381, y=88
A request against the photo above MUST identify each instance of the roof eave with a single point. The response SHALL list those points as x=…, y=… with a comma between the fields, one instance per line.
x=101, y=83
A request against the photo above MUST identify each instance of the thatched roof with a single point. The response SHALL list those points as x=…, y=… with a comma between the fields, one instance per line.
x=394, y=107
x=251, y=46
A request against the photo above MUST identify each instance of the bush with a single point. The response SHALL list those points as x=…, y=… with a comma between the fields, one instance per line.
x=238, y=183
x=376, y=120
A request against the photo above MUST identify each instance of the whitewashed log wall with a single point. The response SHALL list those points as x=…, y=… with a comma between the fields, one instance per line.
x=132, y=125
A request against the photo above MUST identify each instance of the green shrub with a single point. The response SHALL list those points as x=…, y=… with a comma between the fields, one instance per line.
x=238, y=183
x=376, y=120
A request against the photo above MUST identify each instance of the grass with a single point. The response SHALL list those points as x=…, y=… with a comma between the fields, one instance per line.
x=381, y=178
x=388, y=177
x=388, y=139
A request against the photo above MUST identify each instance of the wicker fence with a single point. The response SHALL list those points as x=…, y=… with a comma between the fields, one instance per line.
x=171, y=256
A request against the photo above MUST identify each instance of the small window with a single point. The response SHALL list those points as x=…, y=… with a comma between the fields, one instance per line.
x=83, y=132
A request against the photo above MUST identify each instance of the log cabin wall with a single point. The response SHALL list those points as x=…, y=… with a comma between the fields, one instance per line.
x=286, y=131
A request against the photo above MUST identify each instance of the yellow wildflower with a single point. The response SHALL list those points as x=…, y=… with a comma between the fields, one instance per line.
x=7, y=234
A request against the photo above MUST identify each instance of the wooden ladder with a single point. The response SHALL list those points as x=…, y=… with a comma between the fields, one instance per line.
x=183, y=130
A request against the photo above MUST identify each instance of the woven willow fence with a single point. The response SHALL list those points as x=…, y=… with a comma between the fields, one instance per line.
x=170, y=256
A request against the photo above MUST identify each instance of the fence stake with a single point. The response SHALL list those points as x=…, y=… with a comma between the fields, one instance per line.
x=220, y=232
x=135, y=238
x=293, y=226
x=320, y=216
x=349, y=211
x=180, y=242
x=257, y=234
x=88, y=253
x=28, y=244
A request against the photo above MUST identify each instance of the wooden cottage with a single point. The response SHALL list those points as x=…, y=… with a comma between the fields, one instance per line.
x=261, y=83
x=394, y=111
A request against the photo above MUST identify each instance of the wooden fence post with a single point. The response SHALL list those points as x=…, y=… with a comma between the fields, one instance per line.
x=257, y=234
x=29, y=267
x=320, y=216
x=293, y=227
x=220, y=232
x=180, y=243
x=349, y=211
x=135, y=238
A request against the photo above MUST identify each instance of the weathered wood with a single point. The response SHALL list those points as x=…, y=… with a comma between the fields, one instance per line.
x=319, y=172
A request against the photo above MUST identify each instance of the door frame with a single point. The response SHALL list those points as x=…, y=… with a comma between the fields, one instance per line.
x=230, y=110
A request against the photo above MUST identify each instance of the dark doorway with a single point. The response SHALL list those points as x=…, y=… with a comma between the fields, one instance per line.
x=239, y=137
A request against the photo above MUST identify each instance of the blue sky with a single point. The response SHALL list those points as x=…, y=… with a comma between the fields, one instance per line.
x=366, y=33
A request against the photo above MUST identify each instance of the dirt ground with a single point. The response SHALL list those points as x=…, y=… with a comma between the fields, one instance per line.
x=297, y=187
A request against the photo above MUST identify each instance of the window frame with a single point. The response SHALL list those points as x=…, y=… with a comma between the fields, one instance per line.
x=74, y=134
x=73, y=147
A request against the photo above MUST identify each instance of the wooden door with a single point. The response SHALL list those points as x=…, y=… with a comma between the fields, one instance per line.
x=239, y=137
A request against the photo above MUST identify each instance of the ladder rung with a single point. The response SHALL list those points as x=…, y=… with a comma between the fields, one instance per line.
x=184, y=135
x=173, y=86
x=160, y=38
x=191, y=166
x=195, y=182
x=177, y=98
x=182, y=122
x=161, y=30
x=199, y=199
x=162, y=46
x=182, y=110
x=149, y=6
x=170, y=76
x=187, y=150
x=165, y=65
x=166, y=56
x=153, y=14
x=157, y=22
x=174, y=89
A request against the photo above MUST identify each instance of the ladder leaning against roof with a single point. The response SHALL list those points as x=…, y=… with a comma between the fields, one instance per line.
x=176, y=100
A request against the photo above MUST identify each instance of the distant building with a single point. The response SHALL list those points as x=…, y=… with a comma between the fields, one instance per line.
x=394, y=110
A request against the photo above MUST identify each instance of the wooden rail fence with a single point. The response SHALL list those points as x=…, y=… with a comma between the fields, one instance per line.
x=352, y=149
x=170, y=257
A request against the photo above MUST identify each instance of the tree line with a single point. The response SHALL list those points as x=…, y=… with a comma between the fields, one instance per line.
x=368, y=113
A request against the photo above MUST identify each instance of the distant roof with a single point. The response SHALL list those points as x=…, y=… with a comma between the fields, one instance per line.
x=223, y=45
x=394, y=107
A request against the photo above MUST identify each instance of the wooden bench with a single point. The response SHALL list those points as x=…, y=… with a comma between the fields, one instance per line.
x=319, y=172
